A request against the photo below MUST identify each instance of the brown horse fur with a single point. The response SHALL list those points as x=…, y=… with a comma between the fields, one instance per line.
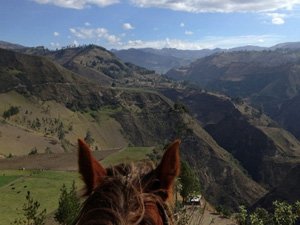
x=127, y=194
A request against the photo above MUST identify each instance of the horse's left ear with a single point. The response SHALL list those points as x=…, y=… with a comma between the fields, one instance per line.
x=169, y=168
x=89, y=168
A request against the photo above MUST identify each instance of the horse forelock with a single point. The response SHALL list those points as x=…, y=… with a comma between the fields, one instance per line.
x=128, y=195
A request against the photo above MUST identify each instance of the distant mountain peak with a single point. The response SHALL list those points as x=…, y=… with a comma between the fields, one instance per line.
x=11, y=46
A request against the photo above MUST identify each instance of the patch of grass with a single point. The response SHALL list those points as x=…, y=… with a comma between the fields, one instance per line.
x=8, y=179
x=104, y=128
x=138, y=90
x=109, y=110
x=44, y=187
x=130, y=154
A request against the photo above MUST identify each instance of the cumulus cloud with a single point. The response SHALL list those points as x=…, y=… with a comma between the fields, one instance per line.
x=87, y=24
x=53, y=44
x=188, y=32
x=75, y=43
x=277, y=18
x=278, y=21
x=84, y=33
x=72, y=30
x=210, y=42
x=56, y=34
x=181, y=25
x=127, y=26
x=198, y=6
x=77, y=4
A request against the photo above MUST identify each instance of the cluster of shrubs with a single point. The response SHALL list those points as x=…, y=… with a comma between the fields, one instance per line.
x=13, y=110
x=283, y=214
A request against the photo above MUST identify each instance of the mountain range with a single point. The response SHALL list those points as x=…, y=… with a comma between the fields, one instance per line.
x=162, y=60
x=269, y=80
x=237, y=151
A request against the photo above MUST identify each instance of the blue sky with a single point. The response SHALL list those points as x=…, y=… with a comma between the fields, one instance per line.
x=122, y=24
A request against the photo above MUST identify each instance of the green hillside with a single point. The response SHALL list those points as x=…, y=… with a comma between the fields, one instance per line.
x=266, y=79
x=44, y=108
x=43, y=185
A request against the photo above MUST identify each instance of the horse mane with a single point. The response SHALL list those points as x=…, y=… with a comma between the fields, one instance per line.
x=122, y=196
x=128, y=194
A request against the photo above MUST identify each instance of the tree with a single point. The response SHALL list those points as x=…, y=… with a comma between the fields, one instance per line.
x=181, y=108
x=189, y=181
x=284, y=214
x=60, y=131
x=32, y=217
x=88, y=138
x=33, y=151
x=68, y=206
x=13, y=110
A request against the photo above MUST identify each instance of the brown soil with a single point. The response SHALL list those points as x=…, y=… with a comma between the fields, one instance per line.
x=209, y=217
x=55, y=161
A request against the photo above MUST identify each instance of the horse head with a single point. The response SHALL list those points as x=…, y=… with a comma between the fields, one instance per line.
x=126, y=193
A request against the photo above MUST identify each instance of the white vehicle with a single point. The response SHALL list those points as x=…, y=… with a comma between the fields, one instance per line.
x=196, y=200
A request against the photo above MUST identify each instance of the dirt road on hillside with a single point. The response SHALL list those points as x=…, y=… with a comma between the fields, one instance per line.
x=208, y=218
x=55, y=161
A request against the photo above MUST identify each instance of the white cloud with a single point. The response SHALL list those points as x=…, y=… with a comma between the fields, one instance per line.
x=56, y=34
x=87, y=24
x=112, y=39
x=75, y=43
x=277, y=18
x=181, y=25
x=53, y=44
x=210, y=42
x=77, y=4
x=198, y=6
x=278, y=21
x=127, y=26
x=72, y=30
x=188, y=32
x=85, y=33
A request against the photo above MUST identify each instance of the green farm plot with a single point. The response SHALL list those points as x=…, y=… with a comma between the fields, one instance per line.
x=4, y=180
x=44, y=187
x=130, y=154
x=140, y=90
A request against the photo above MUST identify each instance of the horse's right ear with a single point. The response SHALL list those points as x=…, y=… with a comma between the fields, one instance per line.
x=89, y=168
x=169, y=168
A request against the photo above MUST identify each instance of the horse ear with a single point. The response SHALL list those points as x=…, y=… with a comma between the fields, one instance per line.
x=89, y=168
x=169, y=168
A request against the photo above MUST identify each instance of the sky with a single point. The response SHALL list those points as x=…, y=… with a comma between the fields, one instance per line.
x=123, y=24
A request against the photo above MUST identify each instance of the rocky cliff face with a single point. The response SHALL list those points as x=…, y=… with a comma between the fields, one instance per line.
x=264, y=149
x=266, y=79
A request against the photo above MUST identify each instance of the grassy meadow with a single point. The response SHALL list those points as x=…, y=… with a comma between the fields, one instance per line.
x=130, y=154
x=45, y=186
